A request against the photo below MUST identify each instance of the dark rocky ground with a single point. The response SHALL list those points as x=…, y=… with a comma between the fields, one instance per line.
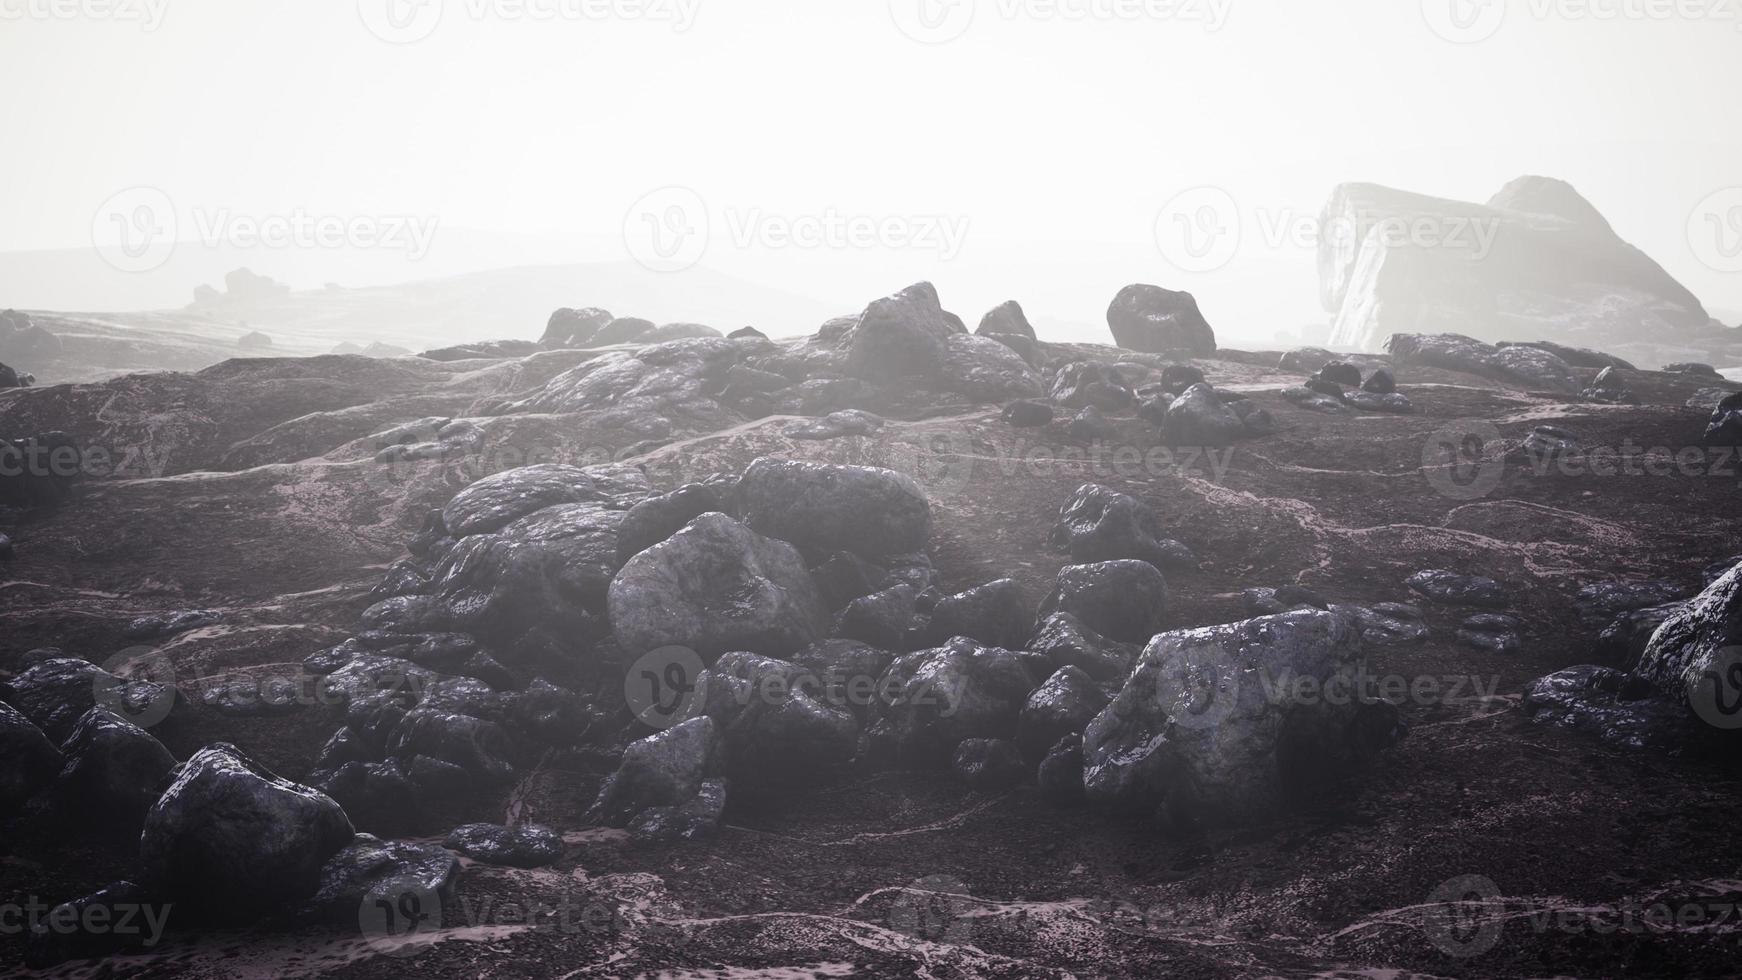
x=263, y=503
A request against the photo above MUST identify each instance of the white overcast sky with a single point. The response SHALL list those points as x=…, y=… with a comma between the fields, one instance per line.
x=1055, y=137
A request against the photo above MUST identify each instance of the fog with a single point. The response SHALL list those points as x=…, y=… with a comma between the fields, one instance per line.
x=824, y=154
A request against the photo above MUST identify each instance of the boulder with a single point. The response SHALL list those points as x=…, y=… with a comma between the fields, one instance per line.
x=1614, y=707
x=1696, y=655
x=520, y=846
x=230, y=840
x=1601, y=602
x=776, y=719
x=1006, y=318
x=870, y=512
x=1227, y=722
x=995, y=614
x=697, y=818
x=114, y=771
x=1342, y=373
x=985, y=370
x=1491, y=632
x=28, y=760
x=574, y=328
x=126, y=913
x=881, y=619
x=666, y=769
x=1121, y=600
x=1065, y=642
x=1092, y=384
x=54, y=694
x=716, y=586
x=496, y=501
x=371, y=874
x=1159, y=321
x=1578, y=357
x=1725, y=428
x=657, y=518
x=1061, y=772
x=957, y=691
x=1089, y=425
x=1028, y=414
x=1062, y=706
x=899, y=336
x=1100, y=524
x=1380, y=382
x=1454, y=589
x=1199, y=418
x=621, y=330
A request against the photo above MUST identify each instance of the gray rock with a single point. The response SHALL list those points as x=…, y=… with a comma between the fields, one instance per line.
x=1394, y=403
x=1089, y=425
x=695, y=819
x=1692, y=658
x=55, y=694
x=1158, y=321
x=1092, y=384
x=995, y=614
x=230, y=840
x=369, y=871
x=1100, y=524
x=114, y=771
x=574, y=328
x=1066, y=642
x=657, y=518
x=1453, y=589
x=1387, y=624
x=899, y=336
x=1380, y=382
x=1491, y=632
x=28, y=760
x=1028, y=414
x=520, y=846
x=835, y=425
x=113, y=905
x=1314, y=401
x=1226, y=722
x=1122, y=600
x=1062, y=706
x=1725, y=428
x=957, y=691
x=986, y=370
x=1549, y=442
x=716, y=586
x=881, y=619
x=170, y=624
x=622, y=330
x=496, y=501
x=1614, y=707
x=1601, y=602
x=775, y=718
x=480, y=747
x=1579, y=357
x=1529, y=366
x=1199, y=418
x=666, y=769
x=868, y=511
x=1624, y=640
x=1061, y=772
x=1005, y=318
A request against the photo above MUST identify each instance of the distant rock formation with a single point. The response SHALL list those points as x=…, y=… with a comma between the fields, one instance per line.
x=242, y=286
x=254, y=340
x=1537, y=262
x=375, y=349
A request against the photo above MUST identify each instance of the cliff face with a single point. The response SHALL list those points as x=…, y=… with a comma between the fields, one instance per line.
x=1536, y=262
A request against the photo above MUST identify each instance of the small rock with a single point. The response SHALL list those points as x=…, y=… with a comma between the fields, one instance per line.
x=1122, y=600
x=1028, y=414
x=521, y=846
x=1453, y=589
x=989, y=765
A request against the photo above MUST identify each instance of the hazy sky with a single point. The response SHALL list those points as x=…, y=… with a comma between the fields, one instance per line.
x=1025, y=153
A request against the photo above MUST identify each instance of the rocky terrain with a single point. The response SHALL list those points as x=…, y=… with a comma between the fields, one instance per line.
x=899, y=649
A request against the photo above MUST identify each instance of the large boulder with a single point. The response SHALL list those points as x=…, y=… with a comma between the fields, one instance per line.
x=986, y=370
x=1537, y=260
x=867, y=511
x=778, y=720
x=28, y=760
x=114, y=770
x=1696, y=655
x=666, y=769
x=1199, y=418
x=1100, y=524
x=574, y=328
x=55, y=693
x=1159, y=321
x=1122, y=600
x=716, y=586
x=495, y=501
x=1226, y=722
x=957, y=691
x=1005, y=319
x=230, y=840
x=900, y=336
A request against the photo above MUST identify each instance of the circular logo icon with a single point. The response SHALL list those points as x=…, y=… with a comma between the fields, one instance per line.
x=138, y=685
x=942, y=463
x=396, y=911
x=1199, y=229
x=135, y=229
x=1464, y=21
x=932, y=21
x=661, y=686
x=1715, y=230
x=667, y=230
x=400, y=21
x=1206, y=694
x=1458, y=463
x=934, y=910
x=1716, y=694
x=1462, y=920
